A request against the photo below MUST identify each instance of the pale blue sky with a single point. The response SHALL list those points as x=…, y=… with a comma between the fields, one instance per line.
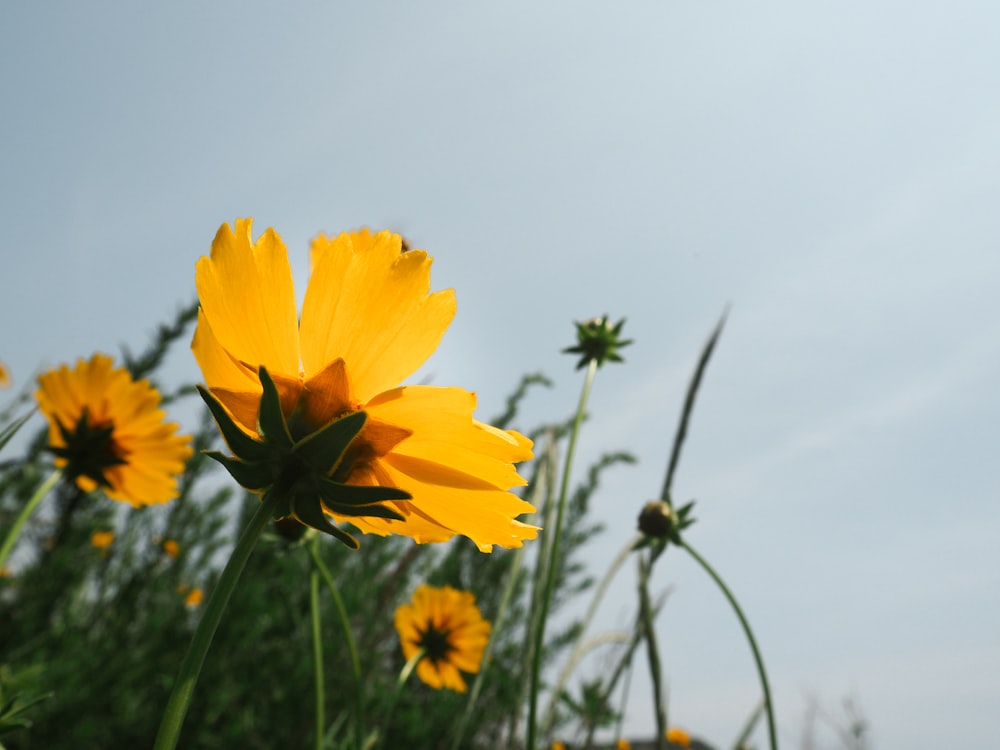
x=830, y=169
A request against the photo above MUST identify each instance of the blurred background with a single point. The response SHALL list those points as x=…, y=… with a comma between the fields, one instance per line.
x=828, y=170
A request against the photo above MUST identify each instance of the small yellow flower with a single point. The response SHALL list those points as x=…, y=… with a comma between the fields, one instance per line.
x=108, y=431
x=623, y=744
x=558, y=745
x=4, y=376
x=171, y=547
x=193, y=598
x=368, y=322
x=4, y=573
x=447, y=624
x=102, y=540
x=678, y=736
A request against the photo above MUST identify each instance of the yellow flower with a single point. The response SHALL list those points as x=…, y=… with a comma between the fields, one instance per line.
x=623, y=744
x=108, y=431
x=193, y=598
x=447, y=624
x=678, y=736
x=4, y=376
x=368, y=322
x=102, y=539
x=558, y=745
x=171, y=547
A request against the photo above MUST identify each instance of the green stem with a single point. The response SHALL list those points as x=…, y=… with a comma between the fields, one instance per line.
x=317, y=637
x=187, y=676
x=553, y=562
x=768, y=706
x=26, y=511
x=404, y=675
x=352, y=648
x=652, y=650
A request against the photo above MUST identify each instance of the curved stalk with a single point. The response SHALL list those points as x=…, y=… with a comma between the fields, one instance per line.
x=187, y=676
x=404, y=675
x=26, y=511
x=595, y=602
x=768, y=705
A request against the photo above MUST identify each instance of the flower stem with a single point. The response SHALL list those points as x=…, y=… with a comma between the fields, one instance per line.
x=26, y=511
x=404, y=675
x=646, y=616
x=768, y=705
x=187, y=676
x=317, y=636
x=553, y=561
x=352, y=648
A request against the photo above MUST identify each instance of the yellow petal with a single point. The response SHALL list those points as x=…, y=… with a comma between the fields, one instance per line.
x=220, y=369
x=487, y=517
x=248, y=297
x=369, y=304
x=448, y=446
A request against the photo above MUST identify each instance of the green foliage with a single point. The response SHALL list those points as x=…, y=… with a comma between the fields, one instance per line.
x=103, y=632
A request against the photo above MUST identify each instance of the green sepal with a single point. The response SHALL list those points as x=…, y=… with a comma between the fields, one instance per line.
x=683, y=516
x=242, y=445
x=369, y=511
x=254, y=477
x=642, y=542
x=270, y=421
x=335, y=493
x=309, y=512
x=323, y=449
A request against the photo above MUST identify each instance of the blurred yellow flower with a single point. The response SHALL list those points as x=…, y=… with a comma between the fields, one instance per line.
x=4, y=376
x=678, y=736
x=194, y=597
x=623, y=744
x=4, y=573
x=171, y=547
x=368, y=322
x=447, y=624
x=108, y=431
x=102, y=539
x=558, y=745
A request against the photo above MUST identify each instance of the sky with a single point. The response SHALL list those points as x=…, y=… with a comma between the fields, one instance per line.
x=827, y=170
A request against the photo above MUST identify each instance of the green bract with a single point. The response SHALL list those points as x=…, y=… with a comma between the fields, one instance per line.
x=598, y=341
x=300, y=472
x=659, y=521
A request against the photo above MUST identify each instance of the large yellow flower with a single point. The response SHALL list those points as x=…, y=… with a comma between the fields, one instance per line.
x=108, y=431
x=447, y=624
x=368, y=322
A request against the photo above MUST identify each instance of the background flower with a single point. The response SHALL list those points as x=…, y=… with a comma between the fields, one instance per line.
x=107, y=430
x=447, y=624
x=102, y=539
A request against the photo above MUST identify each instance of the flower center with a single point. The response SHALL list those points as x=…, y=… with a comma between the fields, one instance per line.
x=89, y=450
x=436, y=643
